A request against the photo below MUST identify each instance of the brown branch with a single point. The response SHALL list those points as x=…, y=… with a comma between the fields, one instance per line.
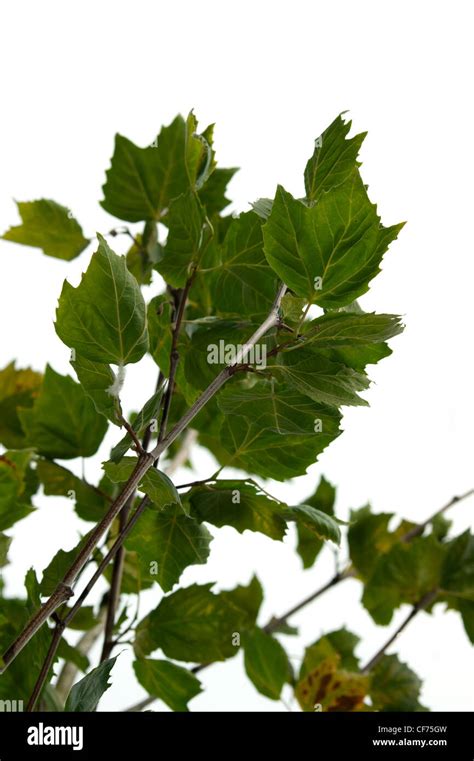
x=422, y=604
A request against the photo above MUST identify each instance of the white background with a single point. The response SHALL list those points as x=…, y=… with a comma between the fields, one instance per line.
x=272, y=75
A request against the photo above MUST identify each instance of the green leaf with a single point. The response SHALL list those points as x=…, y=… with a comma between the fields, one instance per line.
x=321, y=524
x=239, y=504
x=334, y=159
x=98, y=381
x=156, y=484
x=104, y=318
x=14, y=499
x=340, y=643
x=394, y=686
x=266, y=663
x=63, y=421
x=86, y=693
x=91, y=503
x=183, y=246
x=332, y=688
x=49, y=226
x=274, y=431
x=159, y=314
x=147, y=415
x=315, y=376
x=403, y=575
x=329, y=252
x=142, y=182
x=212, y=195
x=18, y=388
x=369, y=538
x=353, y=330
x=194, y=624
x=309, y=545
x=168, y=682
x=458, y=567
x=245, y=284
x=166, y=543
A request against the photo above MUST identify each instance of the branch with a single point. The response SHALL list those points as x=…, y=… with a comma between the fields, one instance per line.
x=348, y=573
x=145, y=462
x=422, y=604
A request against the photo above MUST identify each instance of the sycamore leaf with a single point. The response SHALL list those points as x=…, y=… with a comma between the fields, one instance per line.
x=309, y=545
x=345, y=329
x=332, y=688
x=142, y=182
x=266, y=662
x=147, y=415
x=324, y=526
x=239, y=504
x=458, y=567
x=212, y=195
x=274, y=431
x=168, y=682
x=18, y=388
x=403, y=575
x=245, y=283
x=185, y=237
x=91, y=502
x=327, y=253
x=194, y=625
x=340, y=643
x=104, y=318
x=394, y=686
x=155, y=483
x=315, y=376
x=334, y=159
x=49, y=226
x=98, y=379
x=14, y=497
x=167, y=542
x=85, y=694
x=63, y=421
x=368, y=538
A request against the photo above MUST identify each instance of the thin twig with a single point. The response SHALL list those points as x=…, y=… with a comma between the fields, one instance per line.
x=422, y=604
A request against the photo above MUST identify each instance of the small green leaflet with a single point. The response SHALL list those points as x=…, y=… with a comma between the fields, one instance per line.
x=266, y=663
x=167, y=542
x=239, y=504
x=63, y=421
x=334, y=159
x=155, y=483
x=168, y=682
x=327, y=253
x=104, y=318
x=345, y=329
x=49, y=226
x=309, y=545
x=324, y=526
x=394, y=686
x=315, y=376
x=85, y=695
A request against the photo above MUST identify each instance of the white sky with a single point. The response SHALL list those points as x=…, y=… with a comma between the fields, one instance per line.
x=272, y=75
